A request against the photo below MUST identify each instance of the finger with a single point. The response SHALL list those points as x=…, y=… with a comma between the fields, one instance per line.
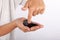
x=40, y=25
x=35, y=13
x=38, y=12
x=30, y=15
x=25, y=6
x=34, y=28
x=26, y=29
x=41, y=11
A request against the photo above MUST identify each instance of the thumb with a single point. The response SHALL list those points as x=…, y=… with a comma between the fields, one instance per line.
x=25, y=6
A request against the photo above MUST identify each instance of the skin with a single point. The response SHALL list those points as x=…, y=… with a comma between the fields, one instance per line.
x=4, y=29
x=7, y=28
x=35, y=7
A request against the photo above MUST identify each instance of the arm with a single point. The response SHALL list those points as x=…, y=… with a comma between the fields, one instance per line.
x=4, y=29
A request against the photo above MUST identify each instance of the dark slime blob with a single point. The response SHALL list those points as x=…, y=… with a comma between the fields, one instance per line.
x=25, y=23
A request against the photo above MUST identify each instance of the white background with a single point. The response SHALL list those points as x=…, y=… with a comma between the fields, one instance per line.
x=50, y=19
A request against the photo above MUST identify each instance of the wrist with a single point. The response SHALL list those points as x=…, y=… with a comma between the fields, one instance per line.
x=14, y=23
x=17, y=22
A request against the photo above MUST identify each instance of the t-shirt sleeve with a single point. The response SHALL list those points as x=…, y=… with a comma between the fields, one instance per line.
x=19, y=2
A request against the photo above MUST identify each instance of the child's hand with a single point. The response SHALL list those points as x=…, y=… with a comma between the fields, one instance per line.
x=36, y=27
x=35, y=7
x=19, y=23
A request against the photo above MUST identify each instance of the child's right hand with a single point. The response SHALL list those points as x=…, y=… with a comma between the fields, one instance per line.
x=19, y=23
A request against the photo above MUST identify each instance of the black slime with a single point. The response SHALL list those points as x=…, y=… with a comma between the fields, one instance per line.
x=25, y=23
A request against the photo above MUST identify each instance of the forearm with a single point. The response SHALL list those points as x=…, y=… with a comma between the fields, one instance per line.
x=4, y=29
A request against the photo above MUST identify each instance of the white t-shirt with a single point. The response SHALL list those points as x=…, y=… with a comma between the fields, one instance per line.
x=8, y=13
